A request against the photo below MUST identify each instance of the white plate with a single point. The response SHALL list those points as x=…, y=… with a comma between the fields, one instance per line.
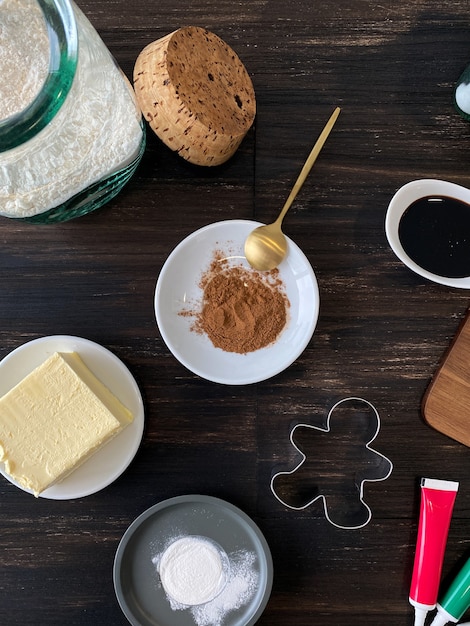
x=405, y=196
x=110, y=462
x=178, y=283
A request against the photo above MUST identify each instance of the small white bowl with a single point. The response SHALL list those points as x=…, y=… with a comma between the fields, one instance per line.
x=178, y=284
x=403, y=198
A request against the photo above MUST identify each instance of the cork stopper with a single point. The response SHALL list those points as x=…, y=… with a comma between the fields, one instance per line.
x=195, y=94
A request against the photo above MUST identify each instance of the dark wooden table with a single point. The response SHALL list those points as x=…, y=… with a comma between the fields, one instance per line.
x=381, y=332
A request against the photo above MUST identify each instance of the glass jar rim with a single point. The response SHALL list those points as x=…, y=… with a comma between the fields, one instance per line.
x=63, y=43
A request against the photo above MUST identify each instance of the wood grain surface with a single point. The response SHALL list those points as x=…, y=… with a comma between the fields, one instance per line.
x=446, y=402
x=381, y=333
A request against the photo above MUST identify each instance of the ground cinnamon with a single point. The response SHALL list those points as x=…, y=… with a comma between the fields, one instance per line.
x=242, y=310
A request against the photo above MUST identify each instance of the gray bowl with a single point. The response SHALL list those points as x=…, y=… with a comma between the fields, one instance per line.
x=136, y=580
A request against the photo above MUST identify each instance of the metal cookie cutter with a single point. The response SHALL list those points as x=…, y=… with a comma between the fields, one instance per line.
x=335, y=463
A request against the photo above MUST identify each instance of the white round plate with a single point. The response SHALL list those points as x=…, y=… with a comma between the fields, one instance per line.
x=402, y=199
x=106, y=465
x=178, y=283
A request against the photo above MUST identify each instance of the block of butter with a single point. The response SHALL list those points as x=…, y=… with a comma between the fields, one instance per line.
x=54, y=420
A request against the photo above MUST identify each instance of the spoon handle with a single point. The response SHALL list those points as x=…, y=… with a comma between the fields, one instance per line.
x=312, y=157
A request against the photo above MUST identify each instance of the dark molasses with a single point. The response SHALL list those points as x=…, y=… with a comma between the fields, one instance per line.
x=435, y=233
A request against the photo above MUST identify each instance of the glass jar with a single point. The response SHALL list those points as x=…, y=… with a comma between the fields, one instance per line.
x=71, y=132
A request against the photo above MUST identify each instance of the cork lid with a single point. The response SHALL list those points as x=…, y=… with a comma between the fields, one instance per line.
x=195, y=94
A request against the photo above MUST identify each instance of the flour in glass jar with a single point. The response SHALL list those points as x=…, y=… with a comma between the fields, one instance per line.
x=96, y=132
x=21, y=75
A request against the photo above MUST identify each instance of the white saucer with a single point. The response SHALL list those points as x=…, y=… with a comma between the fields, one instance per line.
x=109, y=463
x=178, y=283
x=402, y=199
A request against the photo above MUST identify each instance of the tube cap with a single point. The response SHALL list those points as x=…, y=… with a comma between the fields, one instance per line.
x=439, y=620
x=420, y=616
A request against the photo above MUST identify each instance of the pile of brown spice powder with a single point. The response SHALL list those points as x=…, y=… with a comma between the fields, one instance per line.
x=242, y=310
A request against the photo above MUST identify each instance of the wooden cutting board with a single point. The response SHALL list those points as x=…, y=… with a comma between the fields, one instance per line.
x=446, y=403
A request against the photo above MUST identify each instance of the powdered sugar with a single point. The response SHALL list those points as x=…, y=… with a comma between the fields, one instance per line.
x=192, y=570
x=240, y=588
x=241, y=583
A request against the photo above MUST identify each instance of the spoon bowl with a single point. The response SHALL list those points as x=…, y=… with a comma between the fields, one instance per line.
x=266, y=246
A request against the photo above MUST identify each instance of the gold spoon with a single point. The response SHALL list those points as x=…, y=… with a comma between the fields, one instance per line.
x=266, y=246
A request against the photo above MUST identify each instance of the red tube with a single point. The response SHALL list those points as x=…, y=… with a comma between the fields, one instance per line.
x=437, y=503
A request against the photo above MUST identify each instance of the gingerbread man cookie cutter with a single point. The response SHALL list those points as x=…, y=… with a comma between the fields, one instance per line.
x=338, y=477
